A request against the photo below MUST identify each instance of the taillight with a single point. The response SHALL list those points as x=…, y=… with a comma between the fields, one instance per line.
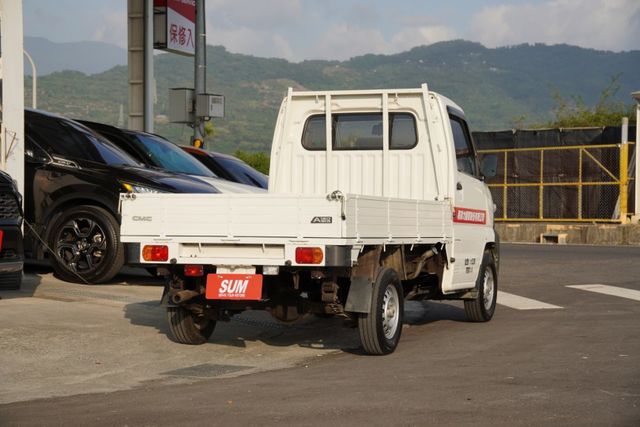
x=1, y=238
x=155, y=253
x=309, y=256
x=193, y=270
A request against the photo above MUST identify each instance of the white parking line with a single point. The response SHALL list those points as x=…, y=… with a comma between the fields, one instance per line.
x=609, y=290
x=522, y=303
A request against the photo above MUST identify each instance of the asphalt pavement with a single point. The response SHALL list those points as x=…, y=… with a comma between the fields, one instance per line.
x=563, y=349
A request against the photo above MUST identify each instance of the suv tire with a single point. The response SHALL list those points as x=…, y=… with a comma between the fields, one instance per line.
x=86, y=246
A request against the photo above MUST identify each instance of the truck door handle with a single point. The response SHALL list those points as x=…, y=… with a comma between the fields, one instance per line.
x=458, y=186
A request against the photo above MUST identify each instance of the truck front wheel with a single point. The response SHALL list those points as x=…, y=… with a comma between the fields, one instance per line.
x=188, y=327
x=482, y=308
x=380, y=329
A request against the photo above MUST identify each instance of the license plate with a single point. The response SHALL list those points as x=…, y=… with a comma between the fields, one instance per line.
x=234, y=286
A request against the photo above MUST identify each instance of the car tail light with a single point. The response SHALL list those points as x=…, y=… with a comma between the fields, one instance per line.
x=1, y=238
x=155, y=253
x=309, y=255
x=193, y=270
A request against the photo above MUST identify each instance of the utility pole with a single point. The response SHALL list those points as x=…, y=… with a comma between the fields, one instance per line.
x=200, y=76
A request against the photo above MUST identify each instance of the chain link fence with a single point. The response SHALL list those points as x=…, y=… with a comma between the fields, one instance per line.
x=560, y=181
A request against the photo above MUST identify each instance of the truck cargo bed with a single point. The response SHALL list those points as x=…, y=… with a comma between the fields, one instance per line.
x=264, y=218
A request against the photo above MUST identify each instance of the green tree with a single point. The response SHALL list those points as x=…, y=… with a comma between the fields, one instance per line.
x=574, y=112
x=209, y=130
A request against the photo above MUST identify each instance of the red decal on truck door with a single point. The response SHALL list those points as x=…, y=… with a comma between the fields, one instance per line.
x=469, y=216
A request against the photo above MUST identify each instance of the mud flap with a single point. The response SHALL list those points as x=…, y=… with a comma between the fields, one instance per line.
x=165, y=301
x=360, y=294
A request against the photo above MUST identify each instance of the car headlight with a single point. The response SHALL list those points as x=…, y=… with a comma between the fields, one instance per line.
x=140, y=189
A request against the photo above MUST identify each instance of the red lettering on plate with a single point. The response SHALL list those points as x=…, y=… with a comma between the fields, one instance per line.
x=469, y=216
x=234, y=287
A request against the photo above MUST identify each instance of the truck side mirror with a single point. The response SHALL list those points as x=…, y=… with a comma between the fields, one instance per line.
x=489, y=165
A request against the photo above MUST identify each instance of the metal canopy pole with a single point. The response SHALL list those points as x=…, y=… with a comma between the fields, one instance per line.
x=135, y=60
x=200, y=70
x=148, y=66
x=34, y=81
x=636, y=210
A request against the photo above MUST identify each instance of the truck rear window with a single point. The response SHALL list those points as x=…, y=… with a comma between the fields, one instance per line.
x=360, y=131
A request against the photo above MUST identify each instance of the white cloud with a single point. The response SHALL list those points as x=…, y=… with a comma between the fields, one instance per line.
x=342, y=41
x=252, y=28
x=421, y=35
x=599, y=24
x=297, y=30
x=112, y=29
x=249, y=41
x=268, y=15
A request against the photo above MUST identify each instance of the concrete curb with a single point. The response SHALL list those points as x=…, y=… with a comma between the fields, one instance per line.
x=589, y=234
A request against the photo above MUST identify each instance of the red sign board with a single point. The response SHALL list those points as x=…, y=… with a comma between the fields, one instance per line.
x=234, y=287
x=469, y=216
x=175, y=26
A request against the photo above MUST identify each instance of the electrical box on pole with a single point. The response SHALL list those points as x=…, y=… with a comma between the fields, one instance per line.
x=183, y=100
x=210, y=105
x=181, y=105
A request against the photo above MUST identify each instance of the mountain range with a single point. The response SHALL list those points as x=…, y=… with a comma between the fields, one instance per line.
x=86, y=57
x=498, y=88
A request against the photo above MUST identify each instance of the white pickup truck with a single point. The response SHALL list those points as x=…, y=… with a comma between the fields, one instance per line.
x=375, y=197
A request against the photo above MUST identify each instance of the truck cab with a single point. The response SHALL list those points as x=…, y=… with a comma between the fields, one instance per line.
x=405, y=144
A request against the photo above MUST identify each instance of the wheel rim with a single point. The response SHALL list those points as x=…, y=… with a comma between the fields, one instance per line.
x=81, y=244
x=390, y=312
x=488, y=289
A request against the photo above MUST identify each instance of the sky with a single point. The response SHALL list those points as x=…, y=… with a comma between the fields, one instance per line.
x=340, y=29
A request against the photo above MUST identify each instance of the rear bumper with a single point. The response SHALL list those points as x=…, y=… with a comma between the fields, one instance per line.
x=12, y=249
x=240, y=254
x=11, y=267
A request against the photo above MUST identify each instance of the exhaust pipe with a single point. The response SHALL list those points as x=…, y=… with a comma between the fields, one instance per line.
x=182, y=296
x=435, y=250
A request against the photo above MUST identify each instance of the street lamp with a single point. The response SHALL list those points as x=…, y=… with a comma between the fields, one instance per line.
x=34, y=81
x=636, y=96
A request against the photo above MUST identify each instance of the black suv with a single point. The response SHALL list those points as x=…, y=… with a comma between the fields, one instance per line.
x=11, y=254
x=73, y=178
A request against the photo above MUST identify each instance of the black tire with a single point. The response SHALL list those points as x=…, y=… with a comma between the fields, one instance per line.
x=189, y=328
x=482, y=308
x=379, y=331
x=86, y=245
x=324, y=315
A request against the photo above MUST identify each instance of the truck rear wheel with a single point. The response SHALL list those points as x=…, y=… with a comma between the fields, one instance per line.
x=380, y=329
x=482, y=308
x=188, y=327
